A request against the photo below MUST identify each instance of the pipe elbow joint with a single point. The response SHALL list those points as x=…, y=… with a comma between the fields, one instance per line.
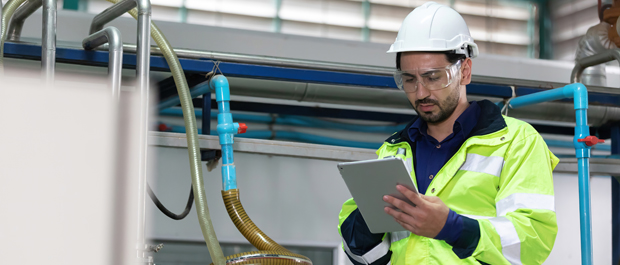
x=143, y=6
x=579, y=92
x=219, y=83
x=115, y=39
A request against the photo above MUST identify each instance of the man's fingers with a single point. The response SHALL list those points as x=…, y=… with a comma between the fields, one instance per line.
x=401, y=216
x=411, y=195
x=403, y=206
x=407, y=226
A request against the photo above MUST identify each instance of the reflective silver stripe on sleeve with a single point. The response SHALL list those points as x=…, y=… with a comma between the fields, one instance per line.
x=409, y=165
x=372, y=255
x=477, y=216
x=484, y=164
x=511, y=245
x=400, y=235
x=525, y=200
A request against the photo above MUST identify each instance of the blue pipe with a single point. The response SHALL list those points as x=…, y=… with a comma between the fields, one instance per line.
x=566, y=144
x=296, y=136
x=226, y=130
x=297, y=121
x=316, y=139
x=580, y=94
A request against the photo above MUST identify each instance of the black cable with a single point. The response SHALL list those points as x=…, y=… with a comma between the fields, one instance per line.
x=167, y=212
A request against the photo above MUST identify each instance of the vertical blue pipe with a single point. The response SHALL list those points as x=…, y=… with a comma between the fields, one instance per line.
x=582, y=152
x=206, y=111
x=584, y=209
x=226, y=130
x=580, y=94
x=615, y=198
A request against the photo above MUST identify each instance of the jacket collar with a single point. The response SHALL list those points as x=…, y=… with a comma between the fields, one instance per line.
x=490, y=121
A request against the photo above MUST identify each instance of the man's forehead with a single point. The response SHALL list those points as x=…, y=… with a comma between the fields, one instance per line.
x=418, y=60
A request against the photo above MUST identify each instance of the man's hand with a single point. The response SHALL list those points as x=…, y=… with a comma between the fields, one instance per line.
x=426, y=219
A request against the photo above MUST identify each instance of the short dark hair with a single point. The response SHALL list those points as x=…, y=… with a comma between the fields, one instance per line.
x=450, y=56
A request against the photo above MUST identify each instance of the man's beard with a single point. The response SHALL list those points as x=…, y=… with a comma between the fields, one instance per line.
x=446, y=107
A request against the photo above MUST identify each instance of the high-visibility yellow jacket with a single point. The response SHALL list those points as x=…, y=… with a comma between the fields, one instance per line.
x=500, y=178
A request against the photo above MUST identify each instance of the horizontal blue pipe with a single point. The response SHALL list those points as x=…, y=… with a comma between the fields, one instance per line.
x=310, y=138
x=296, y=136
x=565, y=144
x=296, y=121
x=540, y=97
x=594, y=156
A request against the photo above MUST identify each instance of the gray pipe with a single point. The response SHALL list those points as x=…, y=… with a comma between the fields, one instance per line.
x=593, y=60
x=48, y=40
x=16, y=23
x=142, y=73
x=273, y=61
x=110, y=14
x=112, y=36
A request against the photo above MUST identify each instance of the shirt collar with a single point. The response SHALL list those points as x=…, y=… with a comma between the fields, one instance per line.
x=464, y=124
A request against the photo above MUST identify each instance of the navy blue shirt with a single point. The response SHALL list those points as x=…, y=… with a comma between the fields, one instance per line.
x=431, y=155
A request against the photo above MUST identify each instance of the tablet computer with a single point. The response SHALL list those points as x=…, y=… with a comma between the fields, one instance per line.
x=368, y=181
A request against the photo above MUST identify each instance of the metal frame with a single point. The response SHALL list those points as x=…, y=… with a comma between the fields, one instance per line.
x=267, y=147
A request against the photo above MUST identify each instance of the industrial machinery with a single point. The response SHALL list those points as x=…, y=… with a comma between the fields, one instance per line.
x=595, y=111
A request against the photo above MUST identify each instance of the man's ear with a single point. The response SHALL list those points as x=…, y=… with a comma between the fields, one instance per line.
x=466, y=72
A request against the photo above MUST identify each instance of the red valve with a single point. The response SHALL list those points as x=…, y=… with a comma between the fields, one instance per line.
x=242, y=128
x=164, y=127
x=591, y=140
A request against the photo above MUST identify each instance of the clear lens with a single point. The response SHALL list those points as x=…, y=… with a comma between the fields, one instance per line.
x=431, y=79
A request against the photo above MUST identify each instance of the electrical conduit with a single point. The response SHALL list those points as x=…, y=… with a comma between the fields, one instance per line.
x=269, y=252
x=193, y=149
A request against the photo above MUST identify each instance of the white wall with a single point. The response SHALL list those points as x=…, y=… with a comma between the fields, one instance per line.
x=296, y=201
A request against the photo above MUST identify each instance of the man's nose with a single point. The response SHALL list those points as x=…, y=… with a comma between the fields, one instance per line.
x=422, y=92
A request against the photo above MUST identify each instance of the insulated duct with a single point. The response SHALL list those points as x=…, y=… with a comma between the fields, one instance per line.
x=595, y=41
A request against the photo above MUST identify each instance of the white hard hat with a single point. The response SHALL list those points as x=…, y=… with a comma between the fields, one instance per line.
x=434, y=27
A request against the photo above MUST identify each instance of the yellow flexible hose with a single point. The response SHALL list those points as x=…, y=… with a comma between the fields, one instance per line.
x=275, y=254
x=193, y=148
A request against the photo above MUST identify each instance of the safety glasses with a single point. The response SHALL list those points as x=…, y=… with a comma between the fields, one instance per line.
x=430, y=78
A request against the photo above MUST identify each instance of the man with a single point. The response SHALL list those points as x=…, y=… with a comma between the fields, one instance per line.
x=486, y=179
